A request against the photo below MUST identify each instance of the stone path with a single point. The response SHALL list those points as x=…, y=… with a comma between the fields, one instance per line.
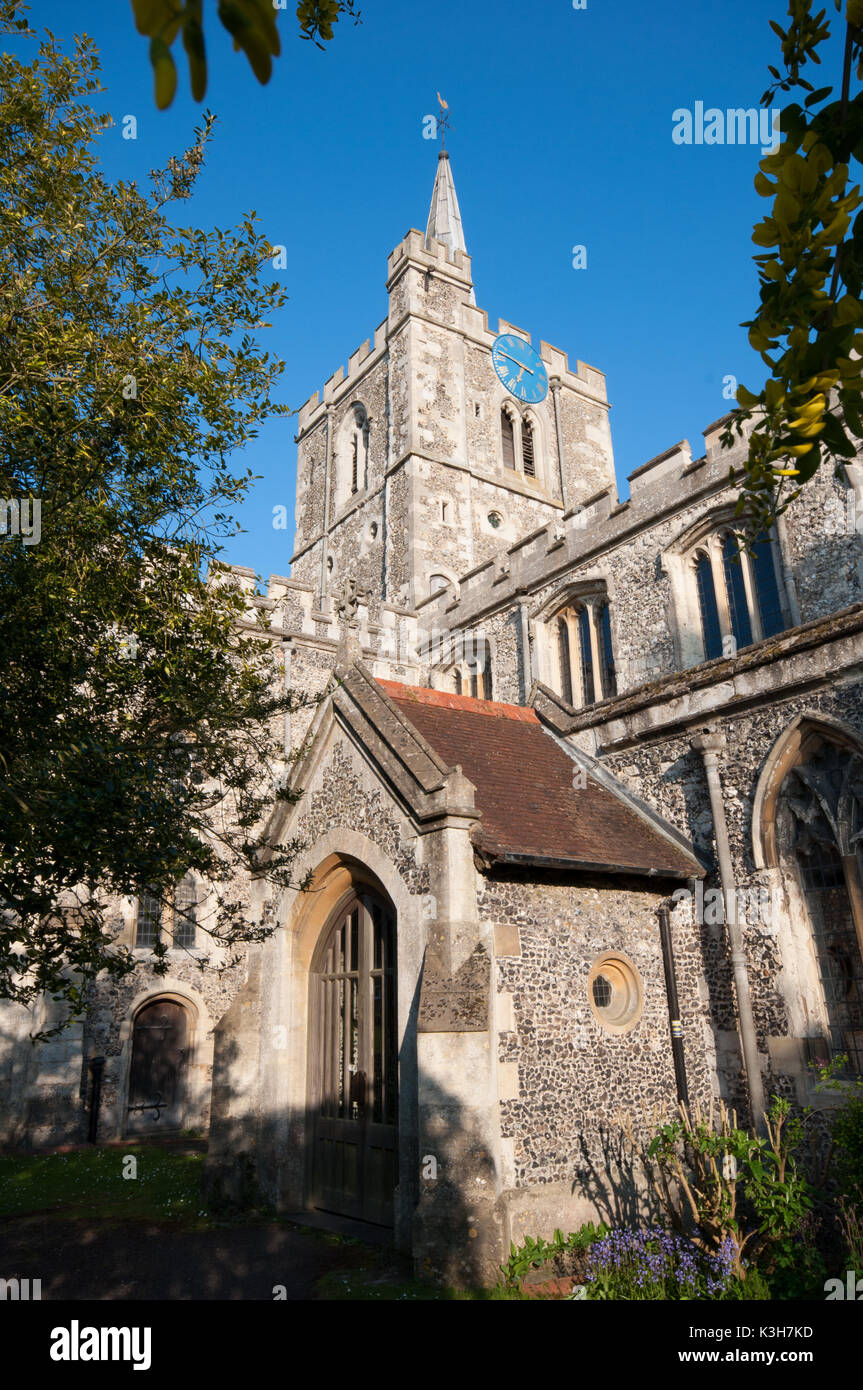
x=81, y=1259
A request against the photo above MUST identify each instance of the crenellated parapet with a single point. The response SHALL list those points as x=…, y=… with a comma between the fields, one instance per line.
x=343, y=383
x=665, y=484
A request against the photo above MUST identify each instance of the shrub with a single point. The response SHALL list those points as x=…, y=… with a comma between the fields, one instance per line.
x=728, y=1188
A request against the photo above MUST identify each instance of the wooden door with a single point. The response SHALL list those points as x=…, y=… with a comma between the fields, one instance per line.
x=159, y=1057
x=354, y=1065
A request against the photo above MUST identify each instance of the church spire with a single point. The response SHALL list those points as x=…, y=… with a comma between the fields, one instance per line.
x=444, y=222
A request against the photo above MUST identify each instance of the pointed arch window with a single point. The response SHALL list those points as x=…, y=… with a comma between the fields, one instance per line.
x=606, y=652
x=583, y=655
x=735, y=588
x=710, y=628
x=738, y=592
x=767, y=588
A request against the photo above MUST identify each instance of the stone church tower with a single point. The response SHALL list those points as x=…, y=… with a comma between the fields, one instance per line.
x=403, y=480
x=554, y=730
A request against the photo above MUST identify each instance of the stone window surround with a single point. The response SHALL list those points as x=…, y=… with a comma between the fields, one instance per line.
x=706, y=537
x=445, y=572
x=443, y=673
x=353, y=431
x=166, y=929
x=519, y=420
x=591, y=595
x=616, y=964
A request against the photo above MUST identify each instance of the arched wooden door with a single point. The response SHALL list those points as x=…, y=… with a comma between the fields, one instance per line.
x=353, y=1059
x=160, y=1052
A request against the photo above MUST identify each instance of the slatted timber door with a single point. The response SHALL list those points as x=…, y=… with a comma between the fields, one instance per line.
x=159, y=1057
x=354, y=1065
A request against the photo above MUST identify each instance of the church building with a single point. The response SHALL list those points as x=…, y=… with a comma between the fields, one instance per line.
x=582, y=806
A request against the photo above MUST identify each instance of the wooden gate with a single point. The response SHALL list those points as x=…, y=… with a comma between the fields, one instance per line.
x=160, y=1050
x=353, y=1059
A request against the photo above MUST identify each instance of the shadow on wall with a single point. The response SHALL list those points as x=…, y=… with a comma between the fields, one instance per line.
x=445, y=1211
x=41, y=1084
x=610, y=1175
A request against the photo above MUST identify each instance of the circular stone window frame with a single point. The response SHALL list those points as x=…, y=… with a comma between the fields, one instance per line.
x=627, y=988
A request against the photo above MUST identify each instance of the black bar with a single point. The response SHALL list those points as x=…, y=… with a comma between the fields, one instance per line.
x=673, y=1004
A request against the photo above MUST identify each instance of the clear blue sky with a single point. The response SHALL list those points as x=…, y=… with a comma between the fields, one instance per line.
x=561, y=135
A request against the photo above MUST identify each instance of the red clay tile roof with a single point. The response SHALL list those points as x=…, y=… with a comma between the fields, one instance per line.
x=524, y=788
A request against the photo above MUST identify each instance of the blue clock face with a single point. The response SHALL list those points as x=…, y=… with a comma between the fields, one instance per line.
x=520, y=368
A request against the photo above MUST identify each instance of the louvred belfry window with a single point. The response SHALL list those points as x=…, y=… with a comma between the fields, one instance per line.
x=527, y=450
x=508, y=438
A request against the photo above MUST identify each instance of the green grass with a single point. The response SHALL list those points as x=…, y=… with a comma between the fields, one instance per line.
x=89, y=1183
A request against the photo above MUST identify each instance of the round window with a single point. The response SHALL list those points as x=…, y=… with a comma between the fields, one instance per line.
x=495, y=519
x=615, y=993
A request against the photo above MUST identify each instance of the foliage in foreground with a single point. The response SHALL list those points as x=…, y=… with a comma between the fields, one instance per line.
x=809, y=325
x=533, y=1254
x=139, y=725
x=728, y=1188
x=252, y=24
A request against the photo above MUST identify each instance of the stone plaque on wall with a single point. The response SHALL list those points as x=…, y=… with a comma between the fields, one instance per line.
x=459, y=1002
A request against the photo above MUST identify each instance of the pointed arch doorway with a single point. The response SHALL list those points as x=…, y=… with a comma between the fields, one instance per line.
x=161, y=1035
x=353, y=1062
